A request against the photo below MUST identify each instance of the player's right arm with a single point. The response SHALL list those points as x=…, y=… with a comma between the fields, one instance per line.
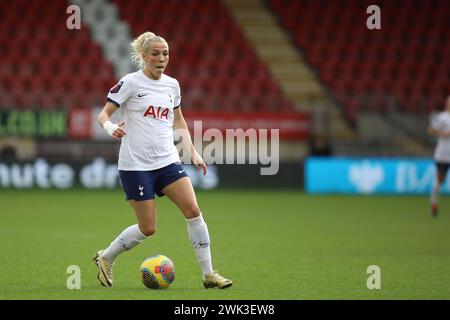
x=104, y=119
x=117, y=95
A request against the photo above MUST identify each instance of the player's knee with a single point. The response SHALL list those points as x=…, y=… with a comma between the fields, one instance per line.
x=148, y=230
x=192, y=211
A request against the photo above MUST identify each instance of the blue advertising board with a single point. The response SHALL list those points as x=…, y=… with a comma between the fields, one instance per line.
x=370, y=175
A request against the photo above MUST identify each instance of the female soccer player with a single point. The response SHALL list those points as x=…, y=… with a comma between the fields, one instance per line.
x=149, y=163
x=440, y=128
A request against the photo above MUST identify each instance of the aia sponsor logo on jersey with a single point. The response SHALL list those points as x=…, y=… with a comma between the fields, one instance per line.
x=116, y=88
x=159, y=113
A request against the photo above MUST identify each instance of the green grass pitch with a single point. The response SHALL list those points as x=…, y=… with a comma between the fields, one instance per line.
x=272, y=244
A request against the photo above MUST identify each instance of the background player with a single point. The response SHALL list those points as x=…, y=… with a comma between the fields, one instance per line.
x=440, y=128
x=149, y=163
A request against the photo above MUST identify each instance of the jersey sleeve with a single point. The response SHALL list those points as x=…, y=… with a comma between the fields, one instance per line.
x=177, y=98
x=120, y=92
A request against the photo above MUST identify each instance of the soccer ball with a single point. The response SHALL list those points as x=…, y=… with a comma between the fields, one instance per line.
x=157, y=272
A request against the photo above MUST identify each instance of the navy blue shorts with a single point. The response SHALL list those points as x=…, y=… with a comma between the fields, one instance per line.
x=442, y=167
x=142, y=185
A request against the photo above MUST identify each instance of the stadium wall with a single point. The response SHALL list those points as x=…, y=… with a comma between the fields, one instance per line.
x=101, y=174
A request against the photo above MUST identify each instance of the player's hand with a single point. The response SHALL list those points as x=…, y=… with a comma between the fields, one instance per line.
x=202, y=166
x=115, y=130
x=120, y=131
x=198, y=161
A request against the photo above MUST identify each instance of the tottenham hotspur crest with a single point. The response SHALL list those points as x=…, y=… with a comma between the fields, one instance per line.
x=170, y=97
x=142, y=192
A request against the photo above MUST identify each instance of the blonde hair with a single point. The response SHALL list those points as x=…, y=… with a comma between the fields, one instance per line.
x=140, y=46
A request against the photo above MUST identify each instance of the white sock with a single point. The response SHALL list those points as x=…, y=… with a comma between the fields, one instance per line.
x=128, y=239
x=435, y=193
x=199, y=236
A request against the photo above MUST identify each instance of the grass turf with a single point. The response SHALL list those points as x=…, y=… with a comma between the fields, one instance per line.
x=272, y=244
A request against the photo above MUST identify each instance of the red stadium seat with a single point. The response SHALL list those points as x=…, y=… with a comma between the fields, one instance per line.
x=211, y=70
x=46, y=74
x=214, y=62
x=404, y=58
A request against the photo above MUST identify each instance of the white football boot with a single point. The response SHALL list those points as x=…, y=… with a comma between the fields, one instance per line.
x=216, y=280
x=105, y=269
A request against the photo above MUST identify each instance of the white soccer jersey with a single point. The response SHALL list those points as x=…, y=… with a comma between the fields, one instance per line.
x=146, y=107
x=442, y=151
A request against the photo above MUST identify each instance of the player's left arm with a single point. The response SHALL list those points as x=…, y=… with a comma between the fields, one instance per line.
x=179, y=123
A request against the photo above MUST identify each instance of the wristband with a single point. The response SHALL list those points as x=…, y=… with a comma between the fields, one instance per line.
x=110, y=127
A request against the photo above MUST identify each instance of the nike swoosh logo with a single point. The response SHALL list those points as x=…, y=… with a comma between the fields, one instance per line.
x=200, y=244
x=142, y=94
x=180, y=171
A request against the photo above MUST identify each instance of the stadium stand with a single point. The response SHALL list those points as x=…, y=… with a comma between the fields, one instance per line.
x=46, y=65
x=216, y=66
x=404, y=65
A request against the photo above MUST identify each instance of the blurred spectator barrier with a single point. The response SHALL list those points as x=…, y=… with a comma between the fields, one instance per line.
x=98, y=173
x=33, y=123
x=370, y=175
